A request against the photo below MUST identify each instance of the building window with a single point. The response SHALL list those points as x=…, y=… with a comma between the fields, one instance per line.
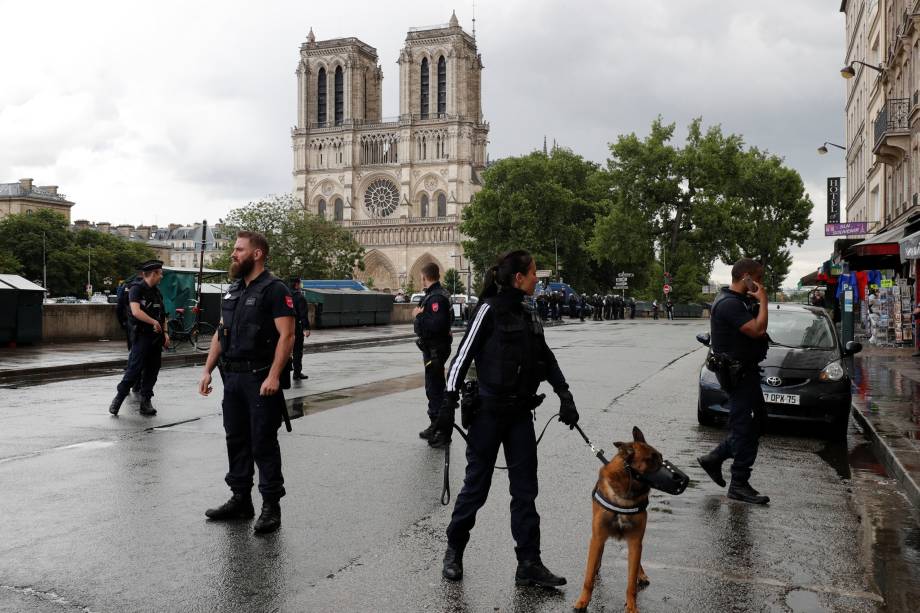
x=339, y=209
x=339, y=96
x=321, y=97
x=424, y=89
x=321, y=209
x=381, y=198
x=442, y=86
x=442, y=205
x=424, y=207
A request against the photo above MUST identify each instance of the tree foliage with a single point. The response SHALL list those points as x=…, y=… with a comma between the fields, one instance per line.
x=453, y=281
x=68, y=254
x=300, y=244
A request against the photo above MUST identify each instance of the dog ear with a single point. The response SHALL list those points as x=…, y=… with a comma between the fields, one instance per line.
x=626, y=450
x=637, y=435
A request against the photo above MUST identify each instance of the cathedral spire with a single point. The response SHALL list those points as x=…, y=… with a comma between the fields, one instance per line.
x=311, y=38
x=454, y=23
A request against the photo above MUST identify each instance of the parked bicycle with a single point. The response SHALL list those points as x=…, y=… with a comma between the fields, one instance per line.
x=199, y=335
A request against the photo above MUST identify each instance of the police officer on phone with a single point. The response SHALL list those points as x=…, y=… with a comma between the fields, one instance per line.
x=432, y=326
x=253, y=345
x=506, y=341
x=738, y=339
x=147, y=319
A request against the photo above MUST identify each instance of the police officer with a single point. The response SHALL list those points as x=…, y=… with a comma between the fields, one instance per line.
x=148, y=320
x=253, y=344
x=301, y=326
x=738, y=326
x=506, y=341
x=432, y=326
x=123, y=314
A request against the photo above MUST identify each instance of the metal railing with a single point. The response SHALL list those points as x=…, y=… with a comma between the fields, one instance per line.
x=893, y=117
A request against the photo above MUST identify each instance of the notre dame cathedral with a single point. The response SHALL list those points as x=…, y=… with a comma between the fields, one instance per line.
x=398, y=184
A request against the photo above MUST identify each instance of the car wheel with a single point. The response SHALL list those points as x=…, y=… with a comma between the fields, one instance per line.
x=705, y=419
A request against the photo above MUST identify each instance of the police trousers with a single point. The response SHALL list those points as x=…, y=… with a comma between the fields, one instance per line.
x=298, y=349
x=143, y=364
x=512, y=429
x=435, y=359
x=251, y=425
x=745, y=424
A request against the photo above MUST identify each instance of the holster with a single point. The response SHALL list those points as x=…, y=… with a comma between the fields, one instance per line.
x=728, y=372
x=469, y=403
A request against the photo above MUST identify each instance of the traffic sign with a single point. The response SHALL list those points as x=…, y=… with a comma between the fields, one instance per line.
x=544, y=274
x=666, y=289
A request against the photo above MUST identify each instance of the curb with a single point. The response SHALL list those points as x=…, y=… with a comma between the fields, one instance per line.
x=195, y=358
x=882, y=449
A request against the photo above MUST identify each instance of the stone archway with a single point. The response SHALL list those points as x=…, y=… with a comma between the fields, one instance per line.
x=378, y=267
x=415, y=273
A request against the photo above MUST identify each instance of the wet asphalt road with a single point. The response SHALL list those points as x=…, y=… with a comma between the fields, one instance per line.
x=103, y=514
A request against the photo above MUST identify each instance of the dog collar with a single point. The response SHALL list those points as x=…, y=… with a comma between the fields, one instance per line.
x=599, y=498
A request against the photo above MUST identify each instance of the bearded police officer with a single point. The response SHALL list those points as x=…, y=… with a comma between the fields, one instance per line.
x=506, y=341
x=432, y=326
x=739, y=341
x=148, y=321
x=253, y=344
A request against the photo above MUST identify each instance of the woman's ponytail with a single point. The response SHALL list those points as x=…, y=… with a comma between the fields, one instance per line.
x=502, y=275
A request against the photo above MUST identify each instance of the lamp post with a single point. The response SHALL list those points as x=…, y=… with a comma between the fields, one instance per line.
x=822, y=150
x=848, y=72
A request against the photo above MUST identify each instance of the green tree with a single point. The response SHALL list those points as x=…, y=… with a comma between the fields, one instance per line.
x=453, y=282
x=9, y=264
x=300, y=243
x=68, y=255
x=543, y=203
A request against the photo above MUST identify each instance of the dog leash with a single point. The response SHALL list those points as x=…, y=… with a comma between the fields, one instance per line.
x=599, y=453
x=445, y=490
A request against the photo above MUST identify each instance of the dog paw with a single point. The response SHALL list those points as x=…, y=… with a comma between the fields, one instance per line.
x=580, y=606
x=643, y=581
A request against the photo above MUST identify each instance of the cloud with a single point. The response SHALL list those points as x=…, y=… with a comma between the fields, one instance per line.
x=176, y=110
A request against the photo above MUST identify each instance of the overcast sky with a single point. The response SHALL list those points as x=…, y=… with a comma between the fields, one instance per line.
x=175, y=111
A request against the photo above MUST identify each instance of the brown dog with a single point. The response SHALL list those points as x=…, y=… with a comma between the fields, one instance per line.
x=618, y=507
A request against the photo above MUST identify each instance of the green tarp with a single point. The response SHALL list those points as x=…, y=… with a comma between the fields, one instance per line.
x=179, y=289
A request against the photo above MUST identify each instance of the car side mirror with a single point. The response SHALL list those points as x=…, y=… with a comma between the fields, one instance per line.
x=703, y=338
x=852, y=348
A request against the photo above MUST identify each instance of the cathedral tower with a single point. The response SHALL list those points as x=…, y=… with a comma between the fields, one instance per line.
x=399, y=184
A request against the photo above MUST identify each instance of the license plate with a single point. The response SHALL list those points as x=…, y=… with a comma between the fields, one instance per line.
x=775, y=398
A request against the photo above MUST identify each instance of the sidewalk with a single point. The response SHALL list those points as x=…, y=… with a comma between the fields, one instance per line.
x=886, y=404
x=83, y=357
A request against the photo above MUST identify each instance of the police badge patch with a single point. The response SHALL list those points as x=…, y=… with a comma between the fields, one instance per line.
x=434, y=307
x=289, y=302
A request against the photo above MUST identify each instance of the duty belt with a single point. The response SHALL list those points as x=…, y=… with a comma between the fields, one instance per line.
x=239, y=366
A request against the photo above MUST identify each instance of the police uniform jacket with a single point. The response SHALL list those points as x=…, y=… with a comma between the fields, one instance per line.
x=248, y=312
x=301, y=310
x=432, y=325
x=506, y=341
x=730, y=311
x=151, y=303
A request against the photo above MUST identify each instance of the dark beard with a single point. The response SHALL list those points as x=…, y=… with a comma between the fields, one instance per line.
x=241, y=269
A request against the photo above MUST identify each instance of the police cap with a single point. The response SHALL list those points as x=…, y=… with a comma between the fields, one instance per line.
x=150, y=265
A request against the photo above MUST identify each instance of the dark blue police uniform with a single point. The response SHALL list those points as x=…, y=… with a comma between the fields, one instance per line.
x=505, y=339
x=301, y=323
x=248, y=338
x=730, y=311
x=432, y=326
x=146, y=349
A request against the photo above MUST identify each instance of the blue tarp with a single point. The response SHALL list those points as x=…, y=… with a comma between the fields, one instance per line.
x=333, y=284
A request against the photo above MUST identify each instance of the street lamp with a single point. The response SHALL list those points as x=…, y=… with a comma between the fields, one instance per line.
x=822, y=150
x=848, y=72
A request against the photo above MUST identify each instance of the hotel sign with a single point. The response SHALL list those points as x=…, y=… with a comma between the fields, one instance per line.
x=833, y=200
x=844, y=229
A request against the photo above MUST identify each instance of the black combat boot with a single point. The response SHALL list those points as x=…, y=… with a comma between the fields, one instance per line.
x=713, y=467
x=116, y=404
x=453, y=564
x=428, y=432
x=532, y=572
x=299, y=376
x=270, y=518
x=438, y=440
x=147, y=407
x=238, y=507
x=745, y=493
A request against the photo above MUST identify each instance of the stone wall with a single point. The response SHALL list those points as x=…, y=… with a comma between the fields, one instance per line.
x=76, y=322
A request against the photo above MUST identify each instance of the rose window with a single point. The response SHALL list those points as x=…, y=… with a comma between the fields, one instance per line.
x=381, y=198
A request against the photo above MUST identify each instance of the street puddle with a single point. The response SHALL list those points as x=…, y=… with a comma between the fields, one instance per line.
x=309, y=405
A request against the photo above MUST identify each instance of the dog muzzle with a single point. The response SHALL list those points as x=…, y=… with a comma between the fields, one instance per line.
x=668, y=479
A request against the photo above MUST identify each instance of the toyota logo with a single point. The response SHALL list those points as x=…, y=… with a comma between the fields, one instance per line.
x=773, y=381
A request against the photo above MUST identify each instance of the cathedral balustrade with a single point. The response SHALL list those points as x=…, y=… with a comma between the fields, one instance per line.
x=403, y=231
x=400, y=221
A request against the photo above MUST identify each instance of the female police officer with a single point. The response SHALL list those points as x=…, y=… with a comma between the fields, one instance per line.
x=505, y=338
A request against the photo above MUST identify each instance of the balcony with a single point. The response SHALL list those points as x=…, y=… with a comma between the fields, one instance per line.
x=892, y=131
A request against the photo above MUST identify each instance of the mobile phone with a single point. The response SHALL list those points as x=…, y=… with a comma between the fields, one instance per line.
x=749, y=284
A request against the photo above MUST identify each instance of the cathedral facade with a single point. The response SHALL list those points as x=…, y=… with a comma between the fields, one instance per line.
x=398, y=184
